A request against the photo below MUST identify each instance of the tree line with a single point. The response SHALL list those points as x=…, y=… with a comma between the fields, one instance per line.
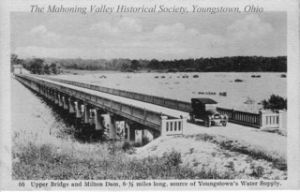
x=222, y=64
x=36, y=65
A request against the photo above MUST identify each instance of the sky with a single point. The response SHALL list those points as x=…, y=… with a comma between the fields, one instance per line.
x=148, y=36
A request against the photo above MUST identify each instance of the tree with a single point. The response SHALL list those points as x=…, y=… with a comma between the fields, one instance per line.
x=125, y=67
x=14, y=60
x=154, y=64
x=46, y=69
x=135, y=64
x=36, y=66
x=275, y=102
x=53, y=68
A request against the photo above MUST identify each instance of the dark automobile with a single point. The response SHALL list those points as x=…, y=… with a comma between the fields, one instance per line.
x=205, y=110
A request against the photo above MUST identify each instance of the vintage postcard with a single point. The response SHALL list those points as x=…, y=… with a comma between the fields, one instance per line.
x=149, y=95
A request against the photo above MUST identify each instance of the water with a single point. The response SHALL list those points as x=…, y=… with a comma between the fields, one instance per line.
x=246, y=95
x=36, y=119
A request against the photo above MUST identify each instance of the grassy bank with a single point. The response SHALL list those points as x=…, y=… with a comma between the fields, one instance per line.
x=255, y=152
x=105, y=161
x=206, y=152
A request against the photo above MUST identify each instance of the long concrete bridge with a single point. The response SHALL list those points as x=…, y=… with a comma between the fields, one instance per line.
x=132, y=116
x=116, y=116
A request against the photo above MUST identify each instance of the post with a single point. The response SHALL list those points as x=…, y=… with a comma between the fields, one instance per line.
x=127, y=131
x=139, y=136
x=71, y=106
x=86, y=114
x=77, y=109
x=92, y=117
x=163, y=125
x=65, y=104
x=262, y=117
x=60, y=102
x=112, y=127
x=148, y=134
x=120, y=129
x=98, y=120
x=131, y=135
x=56, y=98
x=282, y=120
x=51, y=95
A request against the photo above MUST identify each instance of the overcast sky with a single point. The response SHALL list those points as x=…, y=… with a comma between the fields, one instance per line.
x=148, y=36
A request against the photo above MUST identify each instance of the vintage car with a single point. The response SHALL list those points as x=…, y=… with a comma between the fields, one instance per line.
x=205, y=110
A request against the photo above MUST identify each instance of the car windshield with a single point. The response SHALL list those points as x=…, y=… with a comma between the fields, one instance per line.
x=212, y=112
x=217, y=116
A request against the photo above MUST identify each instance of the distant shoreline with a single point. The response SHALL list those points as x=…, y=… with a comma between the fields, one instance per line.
x=68, y=71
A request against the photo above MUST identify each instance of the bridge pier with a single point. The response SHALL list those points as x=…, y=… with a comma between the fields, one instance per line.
x=137, y=133
x=120, y=129
x=52, y=95
x=65, y=102
x=86, y=113
x=56, y=98
x=71, y=106
x=92, y=117
x=48, y=94
x=112, y=127
x=109, y=126
x=78, y=111
x=98, y=120
x=60, y=102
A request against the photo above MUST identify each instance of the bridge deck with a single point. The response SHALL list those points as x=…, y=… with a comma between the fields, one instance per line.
x=149, y=106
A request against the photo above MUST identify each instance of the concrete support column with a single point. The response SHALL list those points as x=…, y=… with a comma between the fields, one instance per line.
x=92, y=117
x=55, y=98
x=65, y=102
x=60, y=102
x=138, y=136
x=148, y=134
x=127, y=131
x=98, y=120
x=86, y=114
x=71, y=106
x=77, y=109
x=131, y=134
x=53, y=95
x=112, y=127
x=163, y=125
x=120, y=129
x=48, y=94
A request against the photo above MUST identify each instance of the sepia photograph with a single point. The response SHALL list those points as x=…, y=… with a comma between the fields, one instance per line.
x=158, y=94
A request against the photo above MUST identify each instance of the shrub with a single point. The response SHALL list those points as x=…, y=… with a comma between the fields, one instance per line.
x=172, y=159
x=257, y=171
x=126, y=146
x=275, y=102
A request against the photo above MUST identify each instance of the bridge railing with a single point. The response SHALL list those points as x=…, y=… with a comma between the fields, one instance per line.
x=242, y=117
x=239, y=117
x=141, y=115
x=273, y=120
x=166, y=102
x=172, y=126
